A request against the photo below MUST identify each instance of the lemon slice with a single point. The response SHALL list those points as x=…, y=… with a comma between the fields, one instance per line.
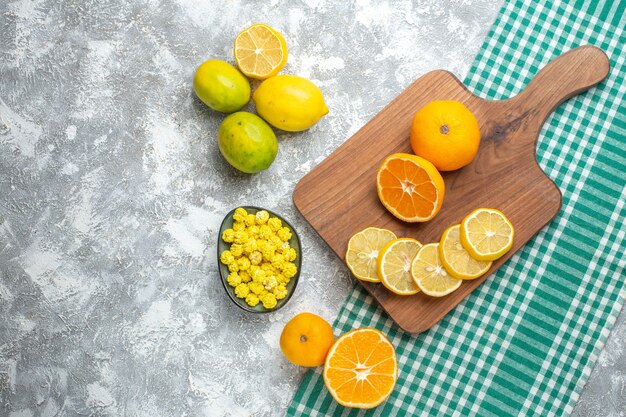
x=363, y=250
x=394, y=265
x=486, y=234
x=429, y=273
x=457, y=261
x=260, y=51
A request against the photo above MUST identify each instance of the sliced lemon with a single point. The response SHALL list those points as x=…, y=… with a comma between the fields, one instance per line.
x=457, y=261
x=394, y=265
x=363, y=250
x=429, y=273
x=486, y=234
x=260, y=51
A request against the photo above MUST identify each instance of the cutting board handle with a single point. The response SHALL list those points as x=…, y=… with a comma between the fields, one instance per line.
x=571, y=73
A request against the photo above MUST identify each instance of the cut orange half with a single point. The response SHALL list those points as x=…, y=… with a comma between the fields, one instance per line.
x=361, y=368
x=410, y=187
x=260, y=51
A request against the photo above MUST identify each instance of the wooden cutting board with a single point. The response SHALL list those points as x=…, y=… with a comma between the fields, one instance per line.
x=338, y=197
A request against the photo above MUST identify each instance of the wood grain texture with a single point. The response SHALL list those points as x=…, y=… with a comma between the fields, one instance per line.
x=338, y=197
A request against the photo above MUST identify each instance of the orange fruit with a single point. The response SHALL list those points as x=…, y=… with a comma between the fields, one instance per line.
x=446, y=133
x=260, y=51
x=361, y=368
x=410, y=187
x=305, y=340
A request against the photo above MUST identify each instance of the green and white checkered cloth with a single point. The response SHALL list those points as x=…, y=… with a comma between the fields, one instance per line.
x=526, y=340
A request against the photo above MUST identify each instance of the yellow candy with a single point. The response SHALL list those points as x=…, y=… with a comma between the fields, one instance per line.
x=268, y=300
x=259, y=276
x=239, y=226
x=242, y=290
x=250, y=246
x=268, y=254
x=253, y=231
x=228, y=236
x=262, y=217
x=265, y=232
x=281, y=279
x=252, y=299
x=227, y=257
x=275, y=242
x=241, y=236
x=268, y=268
x=250, y=220
x=261, y=245
x=245, y=276
x=233, y=267
x=240, y=214
x=243, y=263
x=280, y=292
x=274, y=223
x=277, y=261
x=284, y=234
x=284, y=248
x=256, y=287
x=290, y=270
x=236, y=249
x=270, y=282
x=256, y=258
x=233, y=279
x=291, y=254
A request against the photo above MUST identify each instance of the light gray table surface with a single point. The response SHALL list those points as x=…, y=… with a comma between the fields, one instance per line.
x=112, y=189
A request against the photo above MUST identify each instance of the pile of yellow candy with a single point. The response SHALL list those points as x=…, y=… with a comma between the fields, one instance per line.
x=260, y=260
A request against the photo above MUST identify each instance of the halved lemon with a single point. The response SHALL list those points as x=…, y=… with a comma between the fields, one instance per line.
x=486, y=234
x=429, y=273
x=260, y=51
x=361, y=368
x=363, y=250
x=394, y=265
x=457, y=261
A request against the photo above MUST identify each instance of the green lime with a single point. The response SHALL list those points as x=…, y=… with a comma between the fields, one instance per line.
x=221, y=86
x=247, y=142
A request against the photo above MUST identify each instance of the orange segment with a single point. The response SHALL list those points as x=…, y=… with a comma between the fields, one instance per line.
x=410, y=187
x=361, y=369
x=260, y=51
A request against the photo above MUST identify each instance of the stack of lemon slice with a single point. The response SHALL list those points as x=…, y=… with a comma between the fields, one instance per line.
x=405, y=266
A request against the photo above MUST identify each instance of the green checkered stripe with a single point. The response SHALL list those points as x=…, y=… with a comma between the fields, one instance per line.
x=525, y=341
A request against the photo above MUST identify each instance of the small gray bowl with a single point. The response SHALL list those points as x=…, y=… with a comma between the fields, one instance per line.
x=294, y=242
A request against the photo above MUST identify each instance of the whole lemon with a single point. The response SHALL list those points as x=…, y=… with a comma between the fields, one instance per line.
x=289, y=102
x=221, y=86
x=247, y=142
